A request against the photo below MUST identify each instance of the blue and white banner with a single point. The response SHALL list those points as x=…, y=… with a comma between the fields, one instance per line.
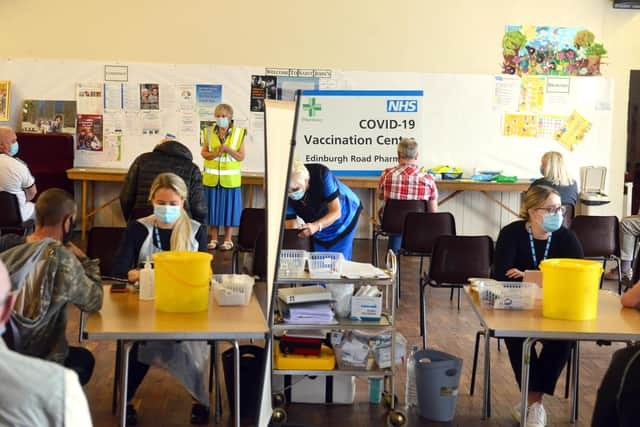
x=356, y=132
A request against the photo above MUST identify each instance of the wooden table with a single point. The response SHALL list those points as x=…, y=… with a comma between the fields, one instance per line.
x=613, y=323
x=124, y=317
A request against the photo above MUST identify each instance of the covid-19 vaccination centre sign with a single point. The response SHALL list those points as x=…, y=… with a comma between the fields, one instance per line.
x=356, y=132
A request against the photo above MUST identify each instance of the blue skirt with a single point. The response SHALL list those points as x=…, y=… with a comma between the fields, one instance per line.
x=225, y=206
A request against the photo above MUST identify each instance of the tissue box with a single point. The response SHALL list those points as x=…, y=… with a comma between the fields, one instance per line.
x=366, y=308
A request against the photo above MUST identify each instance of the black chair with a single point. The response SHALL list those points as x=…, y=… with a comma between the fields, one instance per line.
x=10, y=216
x=454, y=260
x=141, y=212
x=291, y=240
x=103, y=243
x=393, y=217
x=252, y=223
x=420, y=231
x=600, y=239
x=569, y=214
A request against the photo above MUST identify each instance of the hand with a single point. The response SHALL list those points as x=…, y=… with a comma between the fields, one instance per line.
x=223, y=149
x=308, y=229
x=75, y=250
x=133, y=275
x=514, y=273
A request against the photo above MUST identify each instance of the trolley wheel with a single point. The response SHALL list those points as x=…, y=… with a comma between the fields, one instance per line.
x=279, y=415
x=396, y=419
x=278, y=400
x=386, y=400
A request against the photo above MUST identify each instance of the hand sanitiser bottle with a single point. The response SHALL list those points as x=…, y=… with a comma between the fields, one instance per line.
x=147, y=288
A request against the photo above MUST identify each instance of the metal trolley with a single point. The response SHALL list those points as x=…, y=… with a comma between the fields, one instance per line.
x=386, y=324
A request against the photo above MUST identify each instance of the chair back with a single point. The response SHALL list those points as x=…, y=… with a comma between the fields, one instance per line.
x=569, y=214
x=599, y=235
x=290, y=240
x=421, y=229
x=141, y=212
x=395, y=212
x=103, y=243
x=252, y=222
x=456, y=258
x=10, y=215
x=260, y=257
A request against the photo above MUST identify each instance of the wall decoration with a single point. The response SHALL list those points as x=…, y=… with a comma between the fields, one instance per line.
x=5, y=100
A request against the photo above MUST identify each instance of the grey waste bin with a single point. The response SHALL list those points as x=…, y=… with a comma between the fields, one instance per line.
x=437, y=381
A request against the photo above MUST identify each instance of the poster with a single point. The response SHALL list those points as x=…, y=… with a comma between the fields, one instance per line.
x=5, y=100
x=557, y=93
x=531, y=94
x=48, y=116
x=517, y=124
x=356, y=144
x=506, y=93
x=548, y=50
x=149, y=96
x=114, y=96
x=89, y=98
x=207, y=97
x=262, y=87
x=186, y=98
x=286, y=87
x=573, y=131
x=89, y=132
x=151, y=123
x=549, y=124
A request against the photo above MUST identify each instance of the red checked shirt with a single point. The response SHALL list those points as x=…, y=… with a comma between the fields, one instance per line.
x=407, y=182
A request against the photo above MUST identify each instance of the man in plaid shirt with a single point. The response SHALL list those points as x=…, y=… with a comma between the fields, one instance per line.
x=407, y=181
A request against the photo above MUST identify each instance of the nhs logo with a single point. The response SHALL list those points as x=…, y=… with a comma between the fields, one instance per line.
x=402, y=105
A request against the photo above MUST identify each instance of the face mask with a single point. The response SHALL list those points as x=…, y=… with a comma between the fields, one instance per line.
x=167, y=214
x=551, y=223
x=297, y=195
x=13, y=150
x=223, y=122
x=68, y=235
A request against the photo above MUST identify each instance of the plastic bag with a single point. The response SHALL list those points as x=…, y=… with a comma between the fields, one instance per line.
x=341, y=295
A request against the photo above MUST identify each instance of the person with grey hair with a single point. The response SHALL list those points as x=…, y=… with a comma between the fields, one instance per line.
x=35, y=392
x=15, y=176
x=406, y=181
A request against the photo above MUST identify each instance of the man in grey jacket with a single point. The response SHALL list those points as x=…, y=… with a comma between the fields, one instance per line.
x=34, y=392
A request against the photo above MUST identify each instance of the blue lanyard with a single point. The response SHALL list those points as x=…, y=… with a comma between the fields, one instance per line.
x=156, y=241
x=533, y=249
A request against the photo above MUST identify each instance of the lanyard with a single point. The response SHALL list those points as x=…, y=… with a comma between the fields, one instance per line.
x=533, y=249
x=156, y=238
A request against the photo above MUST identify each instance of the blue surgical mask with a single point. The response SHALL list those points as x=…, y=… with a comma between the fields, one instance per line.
x=552, y=222
x=167, y=214
x=223, y=122
x=13, y=150
x=297, y=195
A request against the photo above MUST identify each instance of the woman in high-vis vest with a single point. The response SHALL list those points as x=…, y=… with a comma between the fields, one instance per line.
x=168, y=228
x=223, y=152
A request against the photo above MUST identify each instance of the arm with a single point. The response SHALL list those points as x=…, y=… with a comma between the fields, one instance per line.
x=631, y=298
x=238, y=155
x=504, y=258
x=210, y=155
x=128, y=192
x=432, y=206
x=332, y=216
x=83, y=282
x=30, y=192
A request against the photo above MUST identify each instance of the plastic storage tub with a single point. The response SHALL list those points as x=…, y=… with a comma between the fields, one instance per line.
x=507, y=295
x=232, y=289
x=182, y=281
x=325, y=362
x=570, y=288
x=292, y=262
x=325, y=265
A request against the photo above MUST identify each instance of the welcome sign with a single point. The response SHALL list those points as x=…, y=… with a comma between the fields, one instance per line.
x=356, y=132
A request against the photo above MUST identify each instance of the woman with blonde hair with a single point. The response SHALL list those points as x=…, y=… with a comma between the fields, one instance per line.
x=521, y=246
x=169, y=228
x=556, y=175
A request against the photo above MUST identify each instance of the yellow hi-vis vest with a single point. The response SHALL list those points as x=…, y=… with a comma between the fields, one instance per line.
x=224, y=169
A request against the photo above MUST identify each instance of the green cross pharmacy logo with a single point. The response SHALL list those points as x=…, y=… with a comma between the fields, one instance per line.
x=312, y=107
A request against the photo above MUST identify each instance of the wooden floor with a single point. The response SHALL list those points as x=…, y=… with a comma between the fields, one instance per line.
x=163, y=402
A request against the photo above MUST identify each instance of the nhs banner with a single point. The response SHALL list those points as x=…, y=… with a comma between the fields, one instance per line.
x=356, y=132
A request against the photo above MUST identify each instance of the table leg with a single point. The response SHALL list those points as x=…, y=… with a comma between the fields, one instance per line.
x=250, y=196
x=236, y=373
x=124, y=372
x=486, y=410
x=217, y=374
x=524, y=379
x=83, y=209
x=575, y=377
x=92, y=201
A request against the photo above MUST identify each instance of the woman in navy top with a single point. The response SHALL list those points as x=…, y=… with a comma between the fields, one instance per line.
x=556, y=175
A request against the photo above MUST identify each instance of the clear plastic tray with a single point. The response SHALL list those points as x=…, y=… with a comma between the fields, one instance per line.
x=292, y=262
x=507, y=295
x=325, y=265
x=232, y=289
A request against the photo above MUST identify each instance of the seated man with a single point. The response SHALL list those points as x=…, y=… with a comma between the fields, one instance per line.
x=168, y=156
x=51, y=272
x=34, y=392
x=407, y=181
x=629, y=232
x=15, y=176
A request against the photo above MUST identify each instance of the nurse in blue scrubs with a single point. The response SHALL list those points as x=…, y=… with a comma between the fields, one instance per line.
x=322, y=207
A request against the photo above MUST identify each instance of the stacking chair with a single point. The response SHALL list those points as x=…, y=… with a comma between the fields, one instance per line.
x=454, y=259
x=393, y=217
x=252, y=222
x=10, y=216
x=420, y=231
x=569, y=214
x=103, y=243
x=600, y=239
x=290, y=240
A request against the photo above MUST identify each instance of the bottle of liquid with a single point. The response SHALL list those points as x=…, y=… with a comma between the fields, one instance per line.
x=410, y=392
x=147, y=287
x=375, y=389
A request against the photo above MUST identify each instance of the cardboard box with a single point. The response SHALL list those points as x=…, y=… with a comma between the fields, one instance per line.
x=366, y=308
x=316, y=389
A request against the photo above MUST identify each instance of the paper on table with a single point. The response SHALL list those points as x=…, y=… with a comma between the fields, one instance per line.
x=356, y=270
